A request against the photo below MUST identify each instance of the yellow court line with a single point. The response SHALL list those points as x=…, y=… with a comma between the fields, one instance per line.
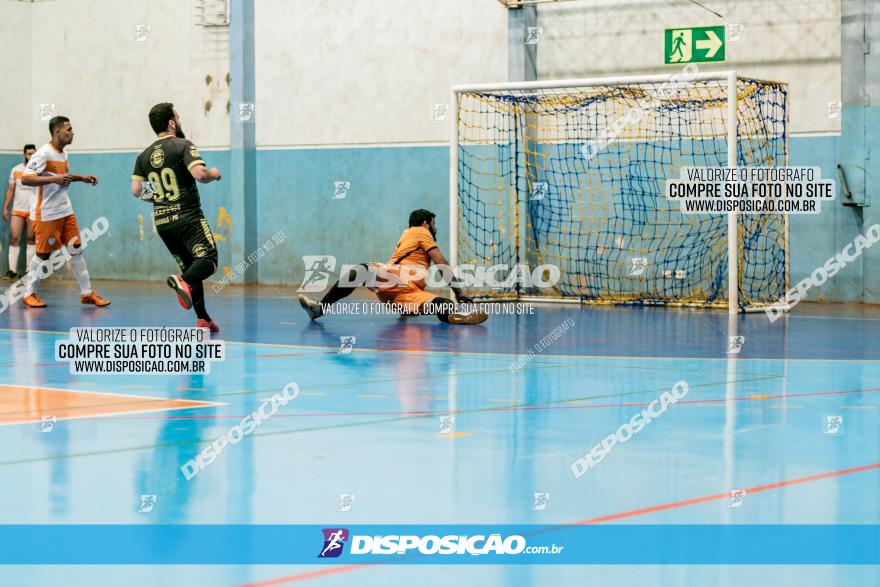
x=860, y=407
x=548, y=355
x=454, y=434
x=478, y=353
x=312, y=393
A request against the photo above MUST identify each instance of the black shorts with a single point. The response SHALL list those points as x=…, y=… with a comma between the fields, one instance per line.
x=189, y=240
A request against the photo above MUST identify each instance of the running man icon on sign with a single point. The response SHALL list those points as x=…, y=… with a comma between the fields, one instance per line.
x=681, y=46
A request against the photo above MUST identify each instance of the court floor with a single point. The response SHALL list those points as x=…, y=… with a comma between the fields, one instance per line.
x=373, y=423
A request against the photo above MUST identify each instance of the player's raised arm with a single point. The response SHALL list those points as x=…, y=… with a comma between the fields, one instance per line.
x=197, y=168
x=204, y=175
x=89, y=179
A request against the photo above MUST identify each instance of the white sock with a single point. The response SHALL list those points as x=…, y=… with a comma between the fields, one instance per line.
x=78, y=268
x=29, y=253
x=32, y=281
x=13, y=257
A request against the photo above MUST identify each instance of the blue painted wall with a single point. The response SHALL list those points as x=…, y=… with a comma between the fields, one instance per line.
x=121, y=254
x=295, y=189
x=816, y=237
x=7, y=162
x=387, y=183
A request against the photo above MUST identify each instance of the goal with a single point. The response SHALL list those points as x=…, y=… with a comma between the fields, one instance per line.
x=572, y=173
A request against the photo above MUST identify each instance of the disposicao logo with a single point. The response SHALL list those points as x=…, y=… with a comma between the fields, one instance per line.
x=334, y=540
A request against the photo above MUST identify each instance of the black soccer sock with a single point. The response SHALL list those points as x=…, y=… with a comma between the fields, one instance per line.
x=442, y=308
x=198, y=271
x=198, y=300
x=337, y=292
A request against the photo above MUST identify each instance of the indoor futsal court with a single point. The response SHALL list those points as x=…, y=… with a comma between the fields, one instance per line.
x=459, y=293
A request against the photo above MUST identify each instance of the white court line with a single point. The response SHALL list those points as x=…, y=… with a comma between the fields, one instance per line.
x=493, y=354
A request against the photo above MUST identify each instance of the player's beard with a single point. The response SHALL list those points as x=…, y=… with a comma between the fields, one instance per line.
x=179, y=133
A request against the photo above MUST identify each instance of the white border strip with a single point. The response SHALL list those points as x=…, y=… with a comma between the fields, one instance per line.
x=585, y=82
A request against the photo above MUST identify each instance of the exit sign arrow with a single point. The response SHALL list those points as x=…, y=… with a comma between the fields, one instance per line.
x=694, y=45
x=712, y=44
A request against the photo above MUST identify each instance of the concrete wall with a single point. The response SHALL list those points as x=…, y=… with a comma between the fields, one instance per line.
x=15, y=71
x=86, y=61
x=796, y=41
x=367, y=72
x=330, y=75
x=345, y=91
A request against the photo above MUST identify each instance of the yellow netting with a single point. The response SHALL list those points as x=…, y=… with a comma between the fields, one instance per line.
x=575, y=177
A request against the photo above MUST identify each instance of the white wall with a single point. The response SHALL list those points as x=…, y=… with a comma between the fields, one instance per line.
x=341, y=72
x=86, y=62
x=15, y=71
x=329, y=72
x=796, y=41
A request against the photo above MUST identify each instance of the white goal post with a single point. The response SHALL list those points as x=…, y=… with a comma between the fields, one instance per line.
x=521, y=134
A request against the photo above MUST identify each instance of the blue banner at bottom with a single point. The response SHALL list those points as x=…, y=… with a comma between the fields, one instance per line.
x=440, y=544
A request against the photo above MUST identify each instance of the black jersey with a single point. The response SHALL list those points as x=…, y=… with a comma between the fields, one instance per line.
x=165, y=165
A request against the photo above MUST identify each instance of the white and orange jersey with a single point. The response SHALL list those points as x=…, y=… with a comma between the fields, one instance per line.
x=24, y=194
x=52, y=201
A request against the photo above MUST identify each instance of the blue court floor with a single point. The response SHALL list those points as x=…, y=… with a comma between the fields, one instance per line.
x=372, y=423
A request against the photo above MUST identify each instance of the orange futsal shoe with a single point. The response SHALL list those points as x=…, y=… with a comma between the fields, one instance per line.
x=184, y=294
x=210, y=324
x=32, y=301
x=94, y=298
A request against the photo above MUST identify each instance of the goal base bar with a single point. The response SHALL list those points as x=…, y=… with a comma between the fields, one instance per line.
x=751, y=309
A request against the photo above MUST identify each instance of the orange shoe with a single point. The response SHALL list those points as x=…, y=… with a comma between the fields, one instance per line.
x=32, y=301
x=182, y=289
x=210, y=324
x=94, y=298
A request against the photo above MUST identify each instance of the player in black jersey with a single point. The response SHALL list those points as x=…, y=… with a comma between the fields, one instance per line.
x=166, y=174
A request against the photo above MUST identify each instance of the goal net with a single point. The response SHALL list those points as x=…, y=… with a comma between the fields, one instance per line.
x=572, y=174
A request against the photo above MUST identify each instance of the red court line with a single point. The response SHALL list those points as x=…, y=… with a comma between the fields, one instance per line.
x=755, y=397
x=305, y=576
x=270, y=355
x=725, y=495
x=599, y=520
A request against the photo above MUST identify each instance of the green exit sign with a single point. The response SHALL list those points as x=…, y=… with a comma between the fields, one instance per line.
x=699, y=44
